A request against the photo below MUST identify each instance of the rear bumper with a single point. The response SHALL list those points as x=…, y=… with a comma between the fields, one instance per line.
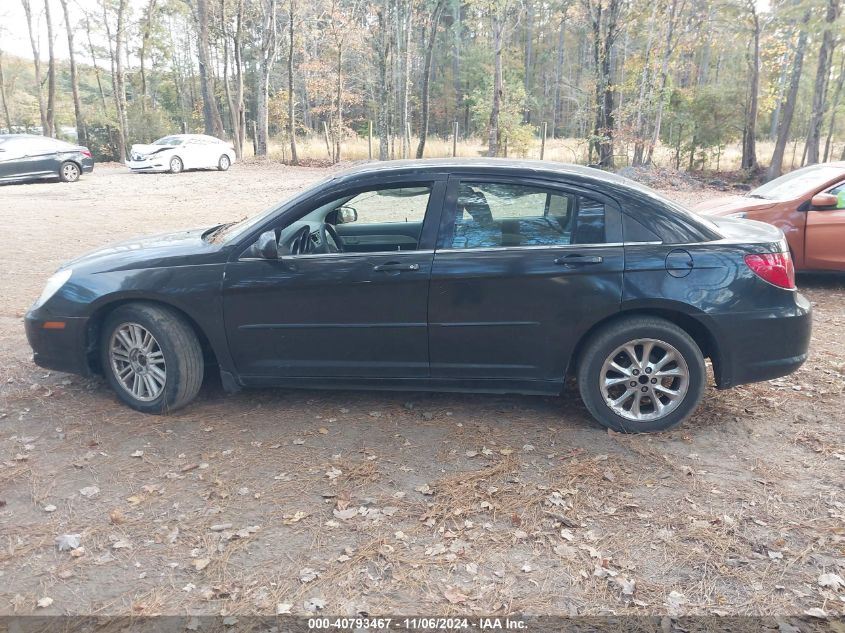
x=58, y=349
x=762, y=345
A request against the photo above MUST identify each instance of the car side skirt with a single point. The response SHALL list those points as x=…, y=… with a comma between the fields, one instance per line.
x=466, y=385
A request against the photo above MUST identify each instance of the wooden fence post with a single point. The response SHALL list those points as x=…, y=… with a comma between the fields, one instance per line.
x=328, y=145
x=454, y=139
x=543, y=140
x=370, y=140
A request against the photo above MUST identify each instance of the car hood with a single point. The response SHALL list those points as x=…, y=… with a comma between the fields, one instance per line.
x=143, y=149
x=731, y=204
x=181, y=248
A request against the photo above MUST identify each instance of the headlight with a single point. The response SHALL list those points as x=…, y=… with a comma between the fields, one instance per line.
x=740, y=216
x=53, y=285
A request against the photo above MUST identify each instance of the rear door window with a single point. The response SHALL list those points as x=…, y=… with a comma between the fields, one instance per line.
x=494, y=215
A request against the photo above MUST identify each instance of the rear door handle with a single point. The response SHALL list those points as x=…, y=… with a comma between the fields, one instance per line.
x=395, y=266
x=578, y=260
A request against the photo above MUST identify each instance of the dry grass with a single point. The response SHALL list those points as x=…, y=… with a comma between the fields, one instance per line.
x=312, y=151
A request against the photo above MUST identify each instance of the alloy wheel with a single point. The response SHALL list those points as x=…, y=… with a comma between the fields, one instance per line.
x=137, y=361
x=70, y=172
x=644, y=379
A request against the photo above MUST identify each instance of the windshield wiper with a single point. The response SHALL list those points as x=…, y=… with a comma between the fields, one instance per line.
x=215, y=230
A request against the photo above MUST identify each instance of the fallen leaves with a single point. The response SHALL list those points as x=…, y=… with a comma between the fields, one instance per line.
x=89, y=492
x=831, y=581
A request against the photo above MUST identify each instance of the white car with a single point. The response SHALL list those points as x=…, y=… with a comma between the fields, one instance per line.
x=179, y=152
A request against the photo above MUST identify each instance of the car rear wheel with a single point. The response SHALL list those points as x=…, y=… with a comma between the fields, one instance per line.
x=641, y=374
x=151, y=357
x=69, y=172
x=224, y=163
x=176, y=165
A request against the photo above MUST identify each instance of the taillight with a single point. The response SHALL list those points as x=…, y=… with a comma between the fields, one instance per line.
x=776, y=268
x=86, y=153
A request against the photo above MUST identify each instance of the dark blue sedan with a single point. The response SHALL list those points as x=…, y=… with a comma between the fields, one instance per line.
x=29, y=157
x=452, y=275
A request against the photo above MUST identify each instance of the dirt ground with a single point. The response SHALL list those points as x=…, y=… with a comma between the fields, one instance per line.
x=342, y=502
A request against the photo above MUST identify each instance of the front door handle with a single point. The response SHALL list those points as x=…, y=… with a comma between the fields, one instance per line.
x=395, y=267
x=578, y=260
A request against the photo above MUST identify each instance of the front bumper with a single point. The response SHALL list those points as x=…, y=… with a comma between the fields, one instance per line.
x=58, y=349
x=151, y=164
x=762, y=345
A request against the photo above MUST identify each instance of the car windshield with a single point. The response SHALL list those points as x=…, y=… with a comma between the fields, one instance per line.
x=169, y=140
x=797, y=183
x=231, y=231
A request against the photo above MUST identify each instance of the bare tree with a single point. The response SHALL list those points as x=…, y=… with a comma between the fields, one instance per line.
x=749, y=130
x=383, y=47
x=294, y=159
x=3, y=95
x=146, y=33
x=604, y=16
x=36, y=58
x=788, y=110
x=81, y=131
x=431, y=39
x=267, y=57
x=116, y=53
x=822, y=80
x=51, y=73
x=210, y=112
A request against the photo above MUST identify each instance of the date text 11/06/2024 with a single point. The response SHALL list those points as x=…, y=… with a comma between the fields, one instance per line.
x=417, y=624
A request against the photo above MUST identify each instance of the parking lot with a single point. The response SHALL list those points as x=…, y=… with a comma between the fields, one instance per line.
x=401, y=503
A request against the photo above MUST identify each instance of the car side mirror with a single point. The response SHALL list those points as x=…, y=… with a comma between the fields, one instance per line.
x=824, y=201
x=342, y=215
x=267, y=246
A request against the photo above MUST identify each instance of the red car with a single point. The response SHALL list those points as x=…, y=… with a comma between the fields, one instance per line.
x=807, y=204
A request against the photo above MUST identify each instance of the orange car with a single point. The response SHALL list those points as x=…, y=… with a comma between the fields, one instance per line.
x=807, y=204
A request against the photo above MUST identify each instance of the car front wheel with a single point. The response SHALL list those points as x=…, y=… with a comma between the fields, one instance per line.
x=641, y=374
x=69, y=172
x=151, y=357
x=224, y=163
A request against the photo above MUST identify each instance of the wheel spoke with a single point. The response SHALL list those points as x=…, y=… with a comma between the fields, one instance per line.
x=609, y=382
x=625, y=371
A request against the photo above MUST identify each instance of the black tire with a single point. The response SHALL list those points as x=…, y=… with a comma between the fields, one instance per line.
x=176, y=165
x=69, y=171
x=224, y=163
x=181, y=350
x=609, y=339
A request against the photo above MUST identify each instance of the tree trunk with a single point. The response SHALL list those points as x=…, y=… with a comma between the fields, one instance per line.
x=36, y=59
x=528, y=73
x=51, y=72
x=118, y=81
x=81, y=131
x=645, y=87
x=837, y=94
x=664, y=78
x=788, y=109
x=239, y=113
x=749, y=132
x=3, y=96
x=142, y=53
x=93, y=54
x=294, y=159
x=210, y=112
x=498, y=88
x=822, y=79
x=269, y=46
x=426, y=87
x=604, y=22
x=556, y=106
x=383, y=52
